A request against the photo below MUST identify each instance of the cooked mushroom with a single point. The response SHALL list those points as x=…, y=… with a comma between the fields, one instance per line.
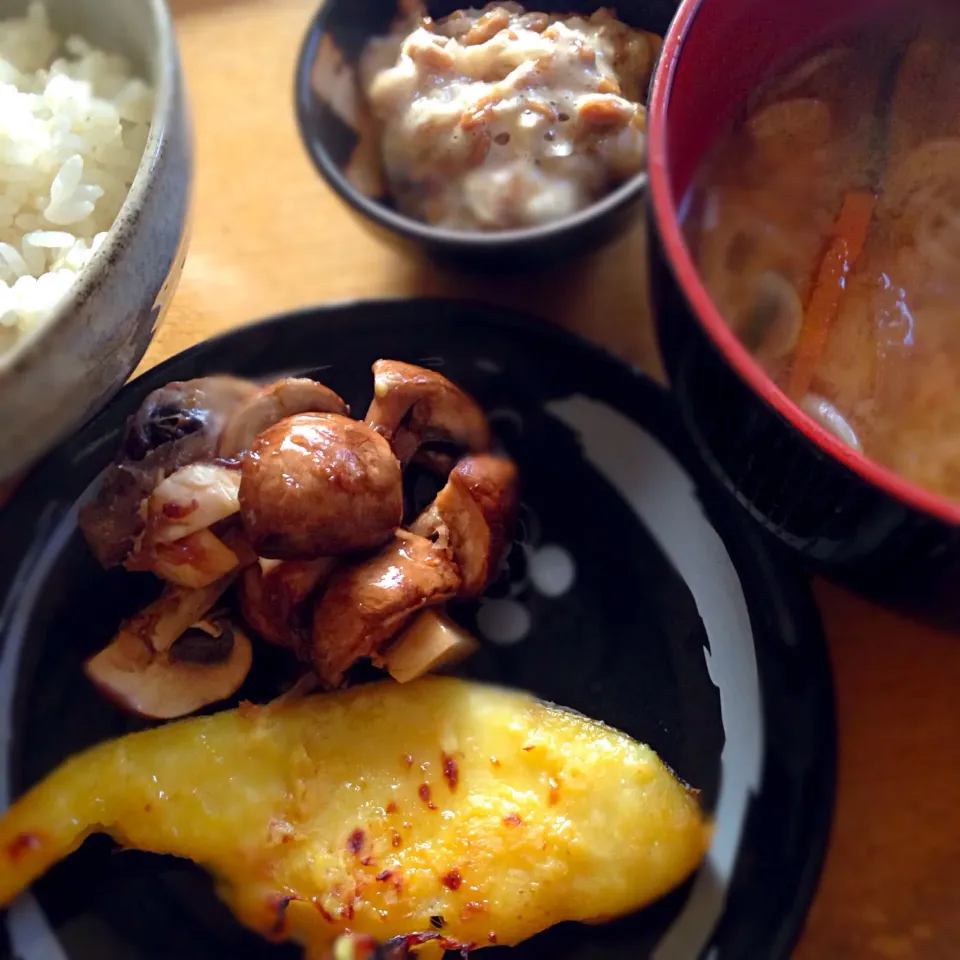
x=772, y=326
x=160, y=623
x=192, y=499
x=413, y=406
x=272, y=600
x=475, y=513
x=275, y=402
x=430, y=642
x=193, y=561
x=319, y=486
x=182, y=409
x=177, y=543
x=169, y=661
x=207, y=664
x=366, y=604
x=178, y=424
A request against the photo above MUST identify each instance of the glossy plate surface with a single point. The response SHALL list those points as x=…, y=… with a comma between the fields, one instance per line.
x=630, y=595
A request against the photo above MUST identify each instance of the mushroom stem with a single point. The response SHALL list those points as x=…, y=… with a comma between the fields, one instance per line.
x=159, y=624
x=475, y=514
x=365, y=605
x=142, y=670
x=430, y=642
x=194, y=498
x=195, y=561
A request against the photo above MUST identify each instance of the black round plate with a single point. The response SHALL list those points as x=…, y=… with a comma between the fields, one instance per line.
x=630, y=595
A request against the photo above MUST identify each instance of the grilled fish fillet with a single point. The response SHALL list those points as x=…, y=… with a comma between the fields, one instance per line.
x=436, y=806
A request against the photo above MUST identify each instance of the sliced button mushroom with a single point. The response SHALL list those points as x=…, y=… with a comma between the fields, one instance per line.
x=276, y=402
x=158, y=625
x=365, y=605
x=169, y=661
x=413, y=406
x=319, y=485
x=476, y=514
x=199, y=670
x=773, y=324
x=827, y=415
x=177, y=425
x=273, y=600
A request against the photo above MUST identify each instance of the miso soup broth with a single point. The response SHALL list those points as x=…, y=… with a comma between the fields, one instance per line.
x=826, y=226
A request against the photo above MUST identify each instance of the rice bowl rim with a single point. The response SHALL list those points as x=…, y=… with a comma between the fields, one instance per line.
x=163, y=81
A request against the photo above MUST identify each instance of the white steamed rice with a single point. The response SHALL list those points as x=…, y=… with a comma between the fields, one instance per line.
x=73, y=125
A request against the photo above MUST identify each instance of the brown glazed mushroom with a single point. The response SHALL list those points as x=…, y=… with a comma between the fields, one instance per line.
x=319, y=485
x=413, y=406
x=476, y=514
x=177, y=425
x=273, y=600
x=275, y=402
x=167, y=661
x=366, y=604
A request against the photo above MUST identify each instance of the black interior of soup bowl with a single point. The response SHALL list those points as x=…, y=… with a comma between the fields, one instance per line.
x=327, y=108
x=844, y=513
x=630, y=595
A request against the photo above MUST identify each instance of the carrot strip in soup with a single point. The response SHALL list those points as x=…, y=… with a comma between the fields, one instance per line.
x=849, y=238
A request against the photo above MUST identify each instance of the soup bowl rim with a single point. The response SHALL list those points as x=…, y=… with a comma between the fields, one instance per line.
x=667, y=215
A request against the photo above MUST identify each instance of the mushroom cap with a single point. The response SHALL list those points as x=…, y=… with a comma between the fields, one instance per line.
x=183, y=408
x=319, y=485
x=176, y=425
x=366, y=604
x=413, y=406
x=164, y=685
x=270, y=405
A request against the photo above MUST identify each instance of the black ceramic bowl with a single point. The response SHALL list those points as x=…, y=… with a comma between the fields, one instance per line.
x=848, y=516
x=327, y=113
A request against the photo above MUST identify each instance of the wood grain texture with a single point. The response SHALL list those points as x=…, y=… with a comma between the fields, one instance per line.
x=268, y=236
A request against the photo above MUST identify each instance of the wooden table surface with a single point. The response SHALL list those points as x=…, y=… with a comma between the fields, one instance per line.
x=268, y=236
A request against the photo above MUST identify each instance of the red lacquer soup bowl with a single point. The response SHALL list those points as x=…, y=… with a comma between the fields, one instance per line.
x=848, y=516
